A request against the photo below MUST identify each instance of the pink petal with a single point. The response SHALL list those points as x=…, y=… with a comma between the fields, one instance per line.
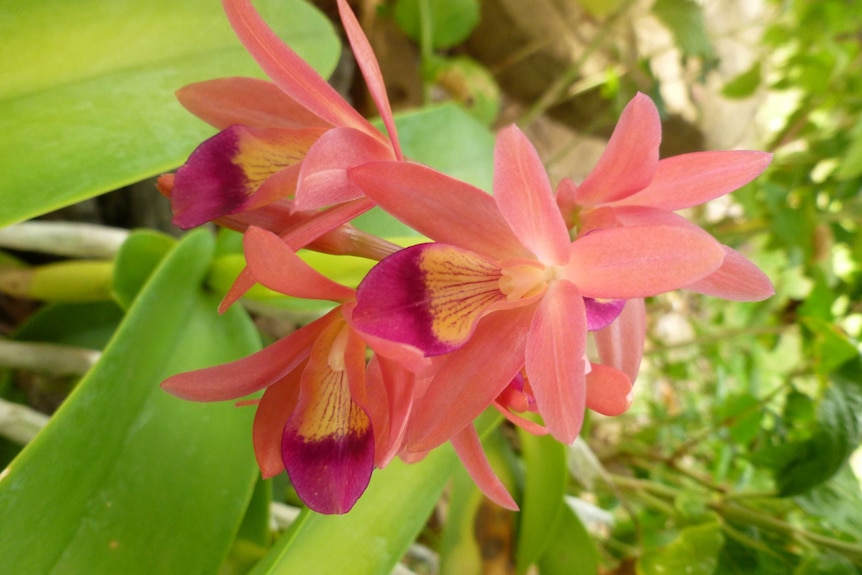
x=225, y=172
x=642, y=261
x=621, y=344
x=278, y=267
x=469, y=449
x=737, y=279
x=390, y=404
x=439, y=207
x=328, y=444
x=290, y=72
x=320, y=231
x=468, y=380
x=370, y=71
x=226, y=101
x=629, y=162
x=693, y=179
x=555, y=360
x=609, y=391
x=249, y=374
x=429, y=296
x=526, y=200
x=323, y=178
x=522, y=422
x=275, y=408
x=567, y=201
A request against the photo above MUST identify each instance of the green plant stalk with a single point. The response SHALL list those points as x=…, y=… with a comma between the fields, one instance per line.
x=650, y=493
x=426, y=50
x=69, y=281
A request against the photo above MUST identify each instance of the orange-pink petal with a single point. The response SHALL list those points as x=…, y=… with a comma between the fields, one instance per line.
x=737, y=279
x=469, y=449
x=609, y=391
x=620, y=345
x=693, y=179
x=367, y=62
x=273, y=411
x=223, y=102
x=279, y=268
x=526, y=200
x=440, y=207
x=469, y=379
x=323, y=177
x=290, y=72
x=252, y=373
x=629, y=162
x=555, y=360
x=641, y=261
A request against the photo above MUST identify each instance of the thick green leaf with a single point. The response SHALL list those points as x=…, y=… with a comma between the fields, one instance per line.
x=743, y=85
x=137, y=258
x=88, y=325
x=449, y=22
x=694, y=552
x=125, y=478
x=838, y=503
x=87, y=99
x=570, y=549
x=684, y=19
x=544, y=486
x=800, y=465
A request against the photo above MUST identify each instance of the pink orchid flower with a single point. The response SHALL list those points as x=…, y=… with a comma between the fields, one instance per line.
x=631, y=186
x=326, y=416
x=286, y=141
x=506, y=288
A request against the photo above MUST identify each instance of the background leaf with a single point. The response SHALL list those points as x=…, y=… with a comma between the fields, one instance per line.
x=125, y=478
x=91, y=106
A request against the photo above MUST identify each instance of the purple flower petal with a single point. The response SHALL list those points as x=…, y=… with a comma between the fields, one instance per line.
x=601, y=313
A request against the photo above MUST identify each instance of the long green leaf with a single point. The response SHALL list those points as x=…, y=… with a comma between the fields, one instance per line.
x=125, y=478
x=87, y=99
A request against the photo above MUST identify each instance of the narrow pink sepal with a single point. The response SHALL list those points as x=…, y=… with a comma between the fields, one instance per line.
x=469, y=449
x=621, y=344
x=609, y=391
x=693, y=179
x=641, y=261
x=390, y=403
x=631, y=216
x=522, y=422
x=555, y=362
x=567, y=202
x=370, y=68
x=469, y=379
x=279, y=268
x=737, y=279
x=526, y=200
x=439, y=207
x=249, y=374
x=273, y=411
x=323, y=178
x=629, y=162
x=223, y=102
x=290, y=72
x=243, y=282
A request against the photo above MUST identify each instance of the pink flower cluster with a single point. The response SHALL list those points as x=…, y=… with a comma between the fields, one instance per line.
x=494, y=311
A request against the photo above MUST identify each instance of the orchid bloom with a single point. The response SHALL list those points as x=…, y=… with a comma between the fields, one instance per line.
x=504, y=288
x=286, y=141
x=631, y=186
x=326, y=417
